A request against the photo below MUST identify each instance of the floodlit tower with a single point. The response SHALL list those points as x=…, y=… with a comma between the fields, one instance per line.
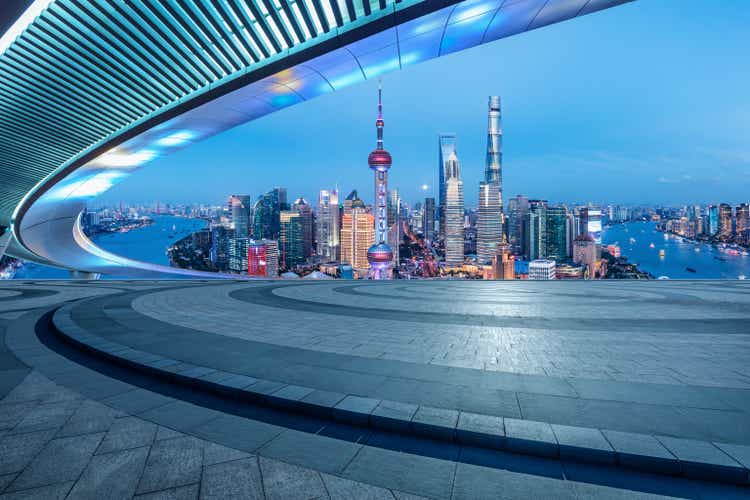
x=380, y=255
x=490, y=223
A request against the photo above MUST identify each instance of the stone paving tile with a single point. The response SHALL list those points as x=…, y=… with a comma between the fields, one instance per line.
x=137, y=401
x=238, y=479
x=392, y=415
x=526, y=436
x=215, y=453
x=704, y=460
x=311, y=450
x=46, y=416
x=5, y=480
x=19, y=449
x=180, y=415
x=50, y=492
x=172, y=462
x=339, y=488
x=475, y=482
x=189, y=492
x=89, y=418
x=245, y=434
x=402, y=471
x=127, y=433
x=60, y=460
x=282, y=481
x=642, y=451
x=12, y=413
x=480, y=430
x=167, y=433
x=112, y=475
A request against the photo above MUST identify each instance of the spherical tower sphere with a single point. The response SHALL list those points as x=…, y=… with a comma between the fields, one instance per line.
x=380, y=159
x=379, y=253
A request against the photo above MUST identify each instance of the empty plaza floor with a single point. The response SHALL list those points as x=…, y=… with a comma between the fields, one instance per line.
x=341, y=389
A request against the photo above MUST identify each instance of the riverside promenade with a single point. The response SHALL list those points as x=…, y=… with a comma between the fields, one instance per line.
x=342, y=389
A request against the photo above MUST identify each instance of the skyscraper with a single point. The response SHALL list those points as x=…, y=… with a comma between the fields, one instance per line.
x=240, y=206
x=266, y=214
x=503, y=263
x=290, y=240
x=428, y=219
x=742, y=223
x=272, y=258
x=591, y=222
x=713, y=220
x=380, y=255
x=263, y=259
x=238, y=254
x=446, y=146
x=536, y=229
x=725, y=221
x=219, y=253
x=454, y=213
x=394, y=223
x=357, y=236
x=542, y=269
x=489, y=222
x=328, y=226
x=557, y=238
x=306, y=219
x=257, y=259
x=518, y=208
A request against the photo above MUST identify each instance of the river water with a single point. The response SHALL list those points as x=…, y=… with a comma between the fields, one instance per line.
x=679, y=254
x=148, y=244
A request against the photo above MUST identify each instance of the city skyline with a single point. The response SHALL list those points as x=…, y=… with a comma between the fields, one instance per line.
x=643, y=139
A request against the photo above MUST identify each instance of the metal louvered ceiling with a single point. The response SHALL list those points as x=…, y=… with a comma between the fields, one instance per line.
x=87, y=68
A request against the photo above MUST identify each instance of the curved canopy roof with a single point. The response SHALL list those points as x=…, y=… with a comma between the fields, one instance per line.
x=102, y=87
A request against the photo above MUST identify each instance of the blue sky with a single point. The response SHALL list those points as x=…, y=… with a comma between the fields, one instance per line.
x=644, y=103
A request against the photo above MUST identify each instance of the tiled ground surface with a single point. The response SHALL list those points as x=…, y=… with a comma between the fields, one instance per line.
x=674, y=333
x=66, y=430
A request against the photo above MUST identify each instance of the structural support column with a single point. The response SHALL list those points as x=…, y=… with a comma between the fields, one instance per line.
x=4, y=240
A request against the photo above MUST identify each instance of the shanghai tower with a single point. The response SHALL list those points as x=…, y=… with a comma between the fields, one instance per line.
x=380, y=255
x=490, y=222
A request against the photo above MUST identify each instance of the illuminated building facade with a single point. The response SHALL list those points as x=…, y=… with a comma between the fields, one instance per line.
x=454, y=213
x=591, y=222
x=428, y=219
x=306, y=219
x=725, y=221
x=490, y=222
x=328, y=225
x=290, y=241
x=446, y=147
x=536, y=229
x=257, y=259
x=238, y=254
x=503, y=263
x=557, y=237
x=380, y=254
x=742, y=223
x=357, y=236
x=240, y=206
x=518, y=209
x=542, y=269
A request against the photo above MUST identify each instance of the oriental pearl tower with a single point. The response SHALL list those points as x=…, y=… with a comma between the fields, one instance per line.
x=380, y=254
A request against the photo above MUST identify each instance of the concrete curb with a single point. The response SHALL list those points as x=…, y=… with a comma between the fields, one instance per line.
x=693, y=459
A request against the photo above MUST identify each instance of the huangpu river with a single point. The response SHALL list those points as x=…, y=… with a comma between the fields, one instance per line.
x=635, y=240
x=147, y=244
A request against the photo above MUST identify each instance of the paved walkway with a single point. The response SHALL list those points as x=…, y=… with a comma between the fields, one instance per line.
x=320, y=340
x=77, y=427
